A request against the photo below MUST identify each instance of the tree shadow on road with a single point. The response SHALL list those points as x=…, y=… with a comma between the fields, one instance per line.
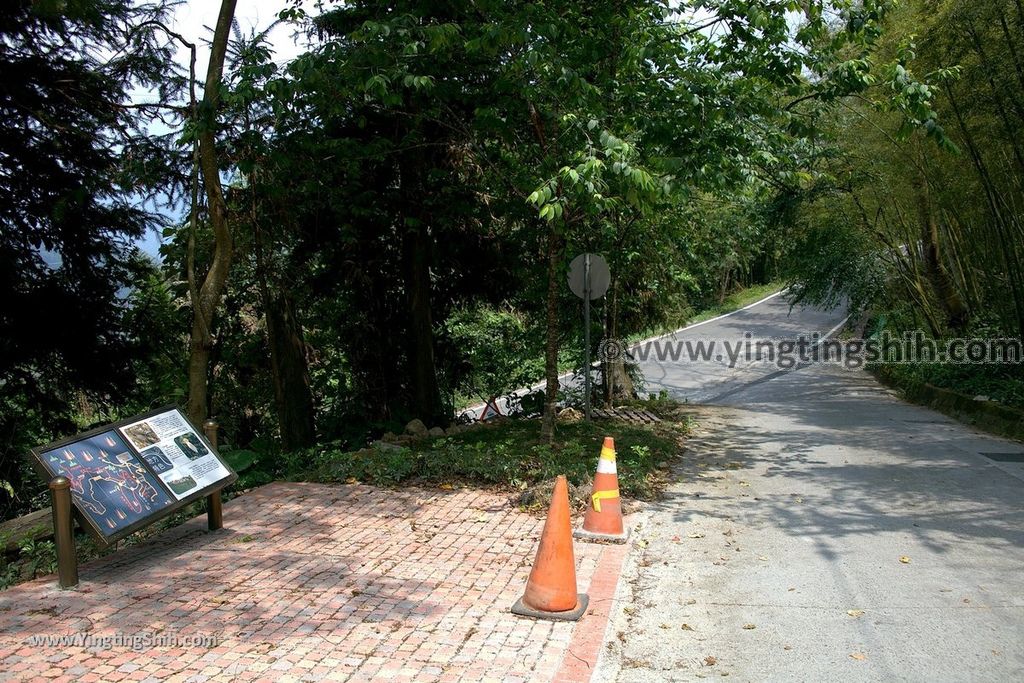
x=839, y=456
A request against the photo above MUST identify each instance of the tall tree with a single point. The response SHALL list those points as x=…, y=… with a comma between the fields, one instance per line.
x=75, y=164
x=206, y=297
x=927, y=233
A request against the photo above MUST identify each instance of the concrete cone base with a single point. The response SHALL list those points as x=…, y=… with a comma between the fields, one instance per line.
x=582, y=600
x=584, y=535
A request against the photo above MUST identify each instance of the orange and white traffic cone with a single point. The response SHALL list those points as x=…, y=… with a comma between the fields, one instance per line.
x=603, y=520
x=551, y=588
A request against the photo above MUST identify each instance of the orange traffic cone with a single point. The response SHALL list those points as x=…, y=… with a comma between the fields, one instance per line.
x=551, y=588
x=603, y=520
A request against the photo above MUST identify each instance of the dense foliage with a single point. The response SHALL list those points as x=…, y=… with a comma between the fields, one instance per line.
x=75, y=169
x=388, y=218
x=917, y=212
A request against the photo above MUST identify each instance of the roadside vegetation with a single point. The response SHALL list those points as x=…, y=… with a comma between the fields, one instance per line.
x=511, y=454
x=922, y=228
x=733, y=301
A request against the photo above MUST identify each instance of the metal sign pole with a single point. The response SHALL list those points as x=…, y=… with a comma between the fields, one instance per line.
x=63, y=532
x=586, y=336
x=588, y=279
x=214, y=515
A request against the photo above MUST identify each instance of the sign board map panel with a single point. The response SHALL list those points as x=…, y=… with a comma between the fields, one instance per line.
x=131, y=473
x=176, y=453
x=108, y=483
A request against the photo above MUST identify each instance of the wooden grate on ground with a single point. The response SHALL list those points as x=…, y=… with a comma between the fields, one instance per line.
x=637, y=415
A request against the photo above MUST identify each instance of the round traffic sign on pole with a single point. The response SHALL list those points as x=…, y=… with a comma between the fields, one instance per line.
x=588, y=279
x=600, y=276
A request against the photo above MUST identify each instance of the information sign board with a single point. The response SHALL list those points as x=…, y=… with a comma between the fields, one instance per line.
x=127, y=475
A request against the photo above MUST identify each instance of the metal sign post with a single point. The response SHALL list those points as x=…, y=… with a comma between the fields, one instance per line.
x=586, y=336
x=63, y=532
x=214, y=513
x=589, y=278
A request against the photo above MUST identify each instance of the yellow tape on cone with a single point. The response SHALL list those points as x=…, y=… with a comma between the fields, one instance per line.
x=603, y=495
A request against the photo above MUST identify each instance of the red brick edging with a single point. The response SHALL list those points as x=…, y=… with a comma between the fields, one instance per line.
x=585, y=647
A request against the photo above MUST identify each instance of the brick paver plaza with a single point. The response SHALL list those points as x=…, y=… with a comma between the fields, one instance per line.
x=315, y=582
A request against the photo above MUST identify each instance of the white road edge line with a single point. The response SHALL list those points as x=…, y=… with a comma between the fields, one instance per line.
x=709, y=320
x=538, y=385
x=832, y=331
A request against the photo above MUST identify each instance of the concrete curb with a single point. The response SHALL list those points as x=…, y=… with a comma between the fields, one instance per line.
x=986, y=416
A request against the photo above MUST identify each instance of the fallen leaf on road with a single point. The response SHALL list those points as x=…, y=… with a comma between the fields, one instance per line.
x=905, y=560
x=859, y=656
x=855, y=612
x=642, y=544
x=787, y=647
x=710, y=661
x=446, y=487
x=749, y=627
x=665, y=626
x=695, y=535
x=687, y=627
x=675, y=539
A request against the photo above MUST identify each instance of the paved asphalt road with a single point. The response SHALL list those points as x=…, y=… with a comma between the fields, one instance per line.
x=821, y=529
x=667, y=364
x=701, y=382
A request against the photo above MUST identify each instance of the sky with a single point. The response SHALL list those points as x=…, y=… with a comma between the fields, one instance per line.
x=195, y=19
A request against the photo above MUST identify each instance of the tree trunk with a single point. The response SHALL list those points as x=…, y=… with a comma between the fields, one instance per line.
x=290, y=372
x=426, y=394
x=1009, y=250
x=206, y=298
x=723, y=290
x=617, y=382
x=547, y=423
x=198, y=366
x=942, y=285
